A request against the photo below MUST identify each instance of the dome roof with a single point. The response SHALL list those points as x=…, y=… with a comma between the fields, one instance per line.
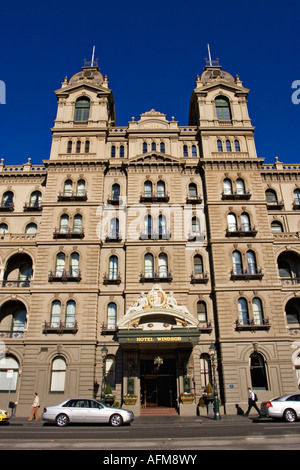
x=90, y=74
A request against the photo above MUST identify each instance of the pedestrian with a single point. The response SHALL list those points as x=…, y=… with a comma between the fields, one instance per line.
x=34, y=409
x=252, y=402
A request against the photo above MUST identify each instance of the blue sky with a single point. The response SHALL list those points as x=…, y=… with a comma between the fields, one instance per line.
x=151, y=52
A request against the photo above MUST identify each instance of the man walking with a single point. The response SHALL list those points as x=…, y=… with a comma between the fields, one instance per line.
x=252, y=402
x=34, y=408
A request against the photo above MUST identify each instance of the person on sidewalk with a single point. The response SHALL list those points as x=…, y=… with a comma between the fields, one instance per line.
x=252, y=402
x=35, y=407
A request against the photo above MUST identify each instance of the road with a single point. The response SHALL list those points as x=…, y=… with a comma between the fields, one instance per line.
x=155, y=435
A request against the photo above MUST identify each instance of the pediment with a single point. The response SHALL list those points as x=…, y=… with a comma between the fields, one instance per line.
x=222, y=85
x=154, y=157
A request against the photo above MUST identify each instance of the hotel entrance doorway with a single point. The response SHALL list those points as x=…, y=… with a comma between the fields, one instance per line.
x=158, y=383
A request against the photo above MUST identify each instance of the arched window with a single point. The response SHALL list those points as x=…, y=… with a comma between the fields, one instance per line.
x=251, y=262
x=148, y=225
x=245, y=219
x=194, y=151
x=31, y=228
x=219, y=145
x=240, y=186
x=271, y=195
x=70, y=313
x=153, y=146
x=243, y=311
x=82, y=109
x=69, y=147
x=162, y=224
x=113, y=267
x=114, y=227
x=289, y=266
x=145, y=147
x=147, y=188
x=3, y=228
x=292, y=310
x=115, y=192
x=8, y=363
x=193, y=192
x=257, y=309
x=78, y=146
x=80, y=189
x=18, y=322
x=276, y=226
x=60, y=264
x=258, y=372
x=111, y=316
x=55, y=314
x=122, y=151
x=77, y=223
x=237, y=146
x=222, y=109
x=161, y=188
x=201, y=312
x=228, y=146
x=87, y=146
x=35, y=199
x=198, y=264
x=58, y=375
x=8, y=199
x=113, y=151
x=68, y=188
x=205, y=370
x=74, y=264
x=227, y=186
x=195, y=225
x=148, y=265
x=162, y=147
x=237, y=262
x=232, y=222
x=64, y=223
x=163, y=265
x=185, y=151
x=297, y=197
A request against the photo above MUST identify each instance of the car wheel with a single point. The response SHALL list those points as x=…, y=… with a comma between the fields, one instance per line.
x=116, y=420
x=62, y=420
x=290, y=415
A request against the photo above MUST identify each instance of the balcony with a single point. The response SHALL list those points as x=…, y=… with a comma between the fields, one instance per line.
x=193, y=199
x=16, y=334
x=65, y=276
x=241, y=232
x=7, y=207
x=193, y=236
x=275, y=205
x=154, y=197
x=60, y=327
x=113, y=237
x=236, y=195
x=290, y=281
x=68, y=233
x=205, y=327
x=246, y=275
x=72, y=196
x=18, y=283
x=252, y=325
x=200, y=278
x=155, y=235
x=156, y=277
x=296, y=205
x=115, y=200
x=32, y=207
x=113, y=279
x=108, y=329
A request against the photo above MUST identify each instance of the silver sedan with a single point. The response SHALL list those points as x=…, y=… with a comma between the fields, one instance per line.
x=85, y=410
x=287, y=407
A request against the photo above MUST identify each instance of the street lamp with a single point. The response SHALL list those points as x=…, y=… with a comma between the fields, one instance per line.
x=103, y=354
x=212, y=351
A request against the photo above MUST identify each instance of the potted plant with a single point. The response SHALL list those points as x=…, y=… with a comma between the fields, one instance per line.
x=109, y=396
x=187, y=398
x=130, y=399
x=208, y=394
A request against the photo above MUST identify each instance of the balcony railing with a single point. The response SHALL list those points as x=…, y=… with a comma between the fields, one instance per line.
x=68, y=233
x=155, y=235
x=241, y=232
x=275, y=205
x=205, y=327
x=156, y=277
x=246, y=274
x=290, y=281
x=199, y=278
x=7, y=207
x=115, y=200
x=113, y=237
x=112, y=279
x=65, y=276
x=72, y=196
x=196, y=235
x=60, y=327
x=252, y=325
x=32, y=207
x=108, y=329
x=154, y=197
x=8, y=283
x=236, y=195
x=12, y=334
x=193, y=199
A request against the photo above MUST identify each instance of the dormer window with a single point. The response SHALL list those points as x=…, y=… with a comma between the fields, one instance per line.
x=223, y=109
x=82, y=109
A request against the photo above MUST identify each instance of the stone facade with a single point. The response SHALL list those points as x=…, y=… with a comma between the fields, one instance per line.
x=153, y=211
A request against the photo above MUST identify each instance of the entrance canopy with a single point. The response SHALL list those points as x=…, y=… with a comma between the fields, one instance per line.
x=156, y=317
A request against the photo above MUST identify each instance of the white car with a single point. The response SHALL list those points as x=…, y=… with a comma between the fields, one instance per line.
x=286, y=407
x=85, y=410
